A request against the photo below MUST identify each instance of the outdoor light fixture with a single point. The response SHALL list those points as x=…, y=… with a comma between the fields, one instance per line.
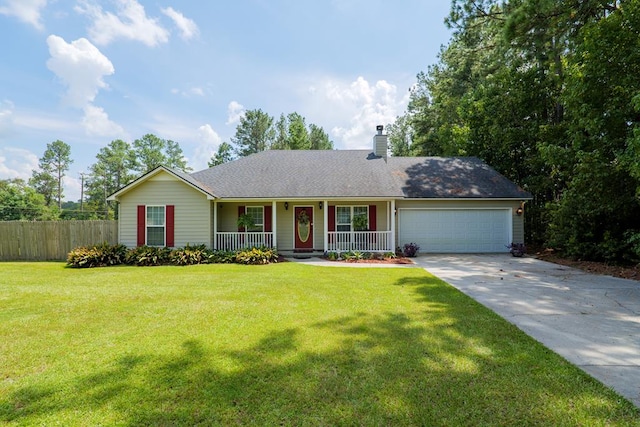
x=286, y=206
x=320, y=205
x=519, y=211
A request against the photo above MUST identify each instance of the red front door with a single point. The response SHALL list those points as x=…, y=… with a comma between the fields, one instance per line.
x=303, y=227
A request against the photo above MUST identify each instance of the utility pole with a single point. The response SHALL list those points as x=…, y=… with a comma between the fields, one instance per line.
x=82, y=191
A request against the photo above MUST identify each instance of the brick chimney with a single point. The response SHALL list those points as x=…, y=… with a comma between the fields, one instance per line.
x=380, y=143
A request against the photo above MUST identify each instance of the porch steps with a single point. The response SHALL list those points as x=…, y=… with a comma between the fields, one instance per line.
x=301, y=254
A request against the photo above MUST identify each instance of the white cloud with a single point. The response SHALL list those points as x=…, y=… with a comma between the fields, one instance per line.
x=130, y=22
x=355, y=108
x=25, y=10
x=208, y=145
x=194, y=91
x=188, y=28
x=235, y=112
x=80, y=66
x=17, y=163
x=96, y=123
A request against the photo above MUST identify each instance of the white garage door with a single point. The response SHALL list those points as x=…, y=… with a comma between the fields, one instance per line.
x=455, y=230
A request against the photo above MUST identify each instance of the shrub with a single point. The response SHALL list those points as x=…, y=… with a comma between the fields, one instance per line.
x=148, y=256
x=82, y=257
x=374, y=255
x=256, y=256
x=410, y=249
x=222, y=257
x=633, y=242
x=190, y=255
x=352, y=255
x=389, y=255
x=97, y=256
x=332, y=256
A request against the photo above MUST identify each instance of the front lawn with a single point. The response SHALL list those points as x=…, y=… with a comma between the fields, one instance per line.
x=282, y=344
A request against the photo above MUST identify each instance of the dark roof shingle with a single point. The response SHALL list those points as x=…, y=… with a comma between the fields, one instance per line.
x=301, y=174
x=451, y=177
x=355, y=174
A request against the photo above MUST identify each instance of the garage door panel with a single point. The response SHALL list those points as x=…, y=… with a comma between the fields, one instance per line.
x=455, y=230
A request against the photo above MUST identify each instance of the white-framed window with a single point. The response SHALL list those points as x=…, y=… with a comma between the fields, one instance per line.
x=257, y=214
x=345, y=215
x=156, y=225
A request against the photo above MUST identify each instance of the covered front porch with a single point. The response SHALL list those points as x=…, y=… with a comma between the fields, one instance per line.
x=305, y=226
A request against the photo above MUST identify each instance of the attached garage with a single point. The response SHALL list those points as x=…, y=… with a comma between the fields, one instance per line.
x=456, y=230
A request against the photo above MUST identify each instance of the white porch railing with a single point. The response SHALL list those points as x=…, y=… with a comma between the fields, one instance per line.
x=363, y=241
x=233, y=241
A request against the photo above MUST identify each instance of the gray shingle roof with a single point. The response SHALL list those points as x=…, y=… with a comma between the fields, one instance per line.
x=451, y=177
x=354, y=174
x=302, y=174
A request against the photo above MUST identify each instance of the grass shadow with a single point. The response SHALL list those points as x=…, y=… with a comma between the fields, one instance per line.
x=444, y=361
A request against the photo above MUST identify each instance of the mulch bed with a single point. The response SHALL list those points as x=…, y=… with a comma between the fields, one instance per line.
x=380, y=261
x=625, y=272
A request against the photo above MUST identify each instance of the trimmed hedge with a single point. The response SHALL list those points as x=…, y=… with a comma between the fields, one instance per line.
x=105, y=255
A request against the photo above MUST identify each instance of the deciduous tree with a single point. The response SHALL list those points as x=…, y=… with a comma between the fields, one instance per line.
x=18, y=201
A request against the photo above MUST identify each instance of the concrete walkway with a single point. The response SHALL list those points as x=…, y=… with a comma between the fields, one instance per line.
x=593, y=321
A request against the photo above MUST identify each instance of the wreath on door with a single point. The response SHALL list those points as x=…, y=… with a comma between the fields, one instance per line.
x=303, y=218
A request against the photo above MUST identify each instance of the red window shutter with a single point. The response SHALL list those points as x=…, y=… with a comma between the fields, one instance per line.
x=332, y=218
x=169, y=218
x=240, y=212
x=268, y=219
x=142, y=222
x=372, y=218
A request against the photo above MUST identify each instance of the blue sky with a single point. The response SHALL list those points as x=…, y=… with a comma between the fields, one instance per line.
x=88, y=72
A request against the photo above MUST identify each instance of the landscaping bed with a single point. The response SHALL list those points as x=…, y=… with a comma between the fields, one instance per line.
x=624, y=272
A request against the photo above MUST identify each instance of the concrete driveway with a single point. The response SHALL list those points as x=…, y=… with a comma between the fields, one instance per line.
x=593, y=321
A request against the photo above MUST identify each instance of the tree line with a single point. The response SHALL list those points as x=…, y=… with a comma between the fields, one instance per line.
x=257, y=131
x=119, y=162
x=548, y=93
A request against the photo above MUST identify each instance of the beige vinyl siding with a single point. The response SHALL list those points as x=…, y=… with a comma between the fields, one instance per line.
x=517, y=221
x=518, y=225
x=285, y=227
x=192, y=222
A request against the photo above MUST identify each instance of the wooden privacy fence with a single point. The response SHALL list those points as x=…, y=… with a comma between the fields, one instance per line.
x=51, y=240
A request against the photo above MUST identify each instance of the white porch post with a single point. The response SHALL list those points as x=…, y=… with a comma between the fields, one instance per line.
x=215, y=225
x=325, y=234
x=274, y=224
x=393, y=226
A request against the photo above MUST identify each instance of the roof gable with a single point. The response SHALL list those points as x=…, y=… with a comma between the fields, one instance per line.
x=159, y=173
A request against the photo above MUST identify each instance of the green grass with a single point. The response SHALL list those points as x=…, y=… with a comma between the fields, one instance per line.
x=283, y=344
